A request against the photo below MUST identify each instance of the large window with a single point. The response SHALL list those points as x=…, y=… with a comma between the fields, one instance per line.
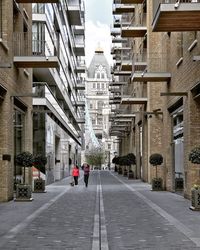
x=38, y=8
x=19, y=138
x=38, y=38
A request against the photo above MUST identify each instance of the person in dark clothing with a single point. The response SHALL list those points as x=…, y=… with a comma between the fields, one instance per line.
x=86, y=170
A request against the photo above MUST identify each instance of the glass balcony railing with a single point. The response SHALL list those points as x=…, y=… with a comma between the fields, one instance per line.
x=27, y=44
x=156, y=3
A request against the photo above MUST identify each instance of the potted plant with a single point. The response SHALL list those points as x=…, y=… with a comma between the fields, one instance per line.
x=23, y=191
x=120, y=165
x=123, y=163
x=39, y=162
x=114, y=161
x=156, y=160
x=132, y=160
x=194, y=157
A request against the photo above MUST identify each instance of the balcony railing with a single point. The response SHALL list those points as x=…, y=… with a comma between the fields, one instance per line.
x=119, y=9
x=137, y=27
x=156, y=3
x=27, y=44
x=139, y=61
x=176, y=15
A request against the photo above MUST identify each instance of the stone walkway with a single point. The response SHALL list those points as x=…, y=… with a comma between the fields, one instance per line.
x=112, y=213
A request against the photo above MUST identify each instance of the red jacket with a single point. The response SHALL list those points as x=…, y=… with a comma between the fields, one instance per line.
x=75, y=172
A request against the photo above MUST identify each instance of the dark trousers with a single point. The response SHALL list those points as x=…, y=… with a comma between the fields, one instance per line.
x=86, y=177
x=76, y=180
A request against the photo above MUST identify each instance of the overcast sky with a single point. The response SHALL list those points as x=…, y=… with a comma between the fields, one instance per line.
x=98, y=15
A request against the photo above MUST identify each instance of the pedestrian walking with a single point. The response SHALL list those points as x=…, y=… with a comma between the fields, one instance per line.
x=86, y=170
x=75, y=174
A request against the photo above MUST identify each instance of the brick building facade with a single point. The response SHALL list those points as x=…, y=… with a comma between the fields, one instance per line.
x=162, y=87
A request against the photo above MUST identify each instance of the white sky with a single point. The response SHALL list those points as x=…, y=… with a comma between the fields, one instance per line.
x=98, y=15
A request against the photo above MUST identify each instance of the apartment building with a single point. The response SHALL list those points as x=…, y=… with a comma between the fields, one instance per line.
x=97, y=98
x=41, y=55
x=15, y=92
x=58, y=109
x=162, y=87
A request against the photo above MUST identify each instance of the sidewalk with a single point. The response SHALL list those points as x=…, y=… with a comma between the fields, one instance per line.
x=61, y=214
x=171, y=206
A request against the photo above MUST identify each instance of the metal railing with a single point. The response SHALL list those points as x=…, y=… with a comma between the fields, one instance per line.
x=155, y=62
x=27, y=44
x=156, y=3
x=136, y=21
x=38, y=8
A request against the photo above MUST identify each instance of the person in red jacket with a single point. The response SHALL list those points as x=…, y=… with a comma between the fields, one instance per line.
x=75, y=174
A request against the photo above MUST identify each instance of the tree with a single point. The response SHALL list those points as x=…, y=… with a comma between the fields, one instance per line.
x=39, y=161
x=24, y=159
x=194, y=155
x=156, y=160
x=95, y=157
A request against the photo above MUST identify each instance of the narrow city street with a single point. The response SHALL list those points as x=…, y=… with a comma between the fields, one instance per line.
x=112, y=213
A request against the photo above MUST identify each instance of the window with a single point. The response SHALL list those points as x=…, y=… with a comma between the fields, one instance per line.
x=102, y=76
x=98, y=85
x=38, y=8
x=100, y=105
x=94, y=85
x=19, y=139
x=38, y=41
x=98, y=75
x=102, y=86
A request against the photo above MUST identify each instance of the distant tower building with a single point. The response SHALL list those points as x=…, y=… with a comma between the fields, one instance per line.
x=97, y=97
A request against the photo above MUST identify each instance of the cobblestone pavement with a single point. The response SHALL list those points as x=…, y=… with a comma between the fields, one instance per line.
x=131, y=217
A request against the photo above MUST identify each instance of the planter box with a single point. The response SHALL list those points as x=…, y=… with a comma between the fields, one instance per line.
x=23, y=192
x=125, y=173
x=39, y=186
x=195, y=199
x=130, y=175
x=179, y=183
x=157, y=185
x=120, y=171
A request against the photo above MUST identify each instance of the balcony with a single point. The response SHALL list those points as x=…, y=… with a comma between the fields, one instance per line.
x=79, y=103
x=37, y=1
x=122, y=56
x=114, y=102
x=136, y=28
x=117, y=83
x=122, y=73
x=81, y=120
x=134, y=100
x=139, y=61
x=170, y=16
x=79, y=46
x=115, y=32
x=30, y=52
x=119, y=9
x=119, y=40
x=79, y=30
x=133, y=31
x=80, y=86
x=129, y=1
x=151, y=77
x=155, y=71
x=74, y=12
x=80, y=67
x=47, y=103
